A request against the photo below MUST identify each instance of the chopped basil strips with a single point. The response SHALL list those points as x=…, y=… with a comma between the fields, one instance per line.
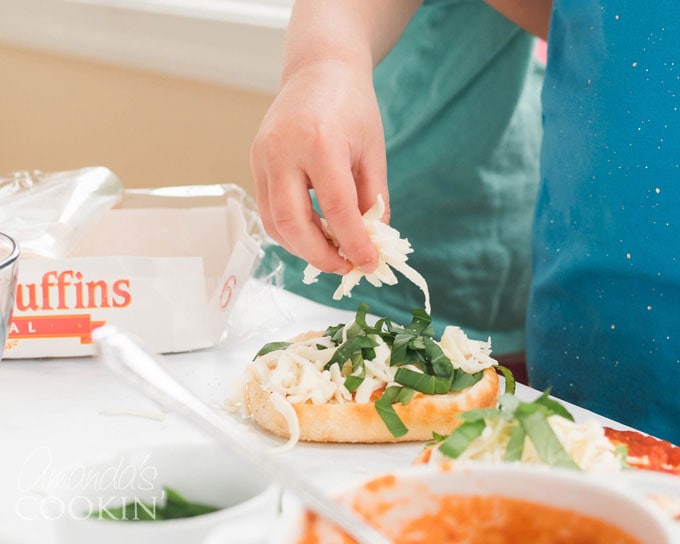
x=544, y=439
x=621, y=451
x=355, y=344
x=175, y=506
x=433, y=354
x=510, y=384
x=387, y=412
x=360, y=318
x=420, y=324
x=335, y=333
x=515, y=447
x=529, y=422
x=405, y=395
x=352, y=383
x=271, y=346
x=477, y=414
x=431, y=370
x=552, y=406
x=463, y=380
x=459, y=440
x=436, y=439
x=356, y=378
x=508, y=405
x=355, y=330
x=430, y=385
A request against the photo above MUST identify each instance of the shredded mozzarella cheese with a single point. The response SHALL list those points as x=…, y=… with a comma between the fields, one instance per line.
x=585, y=443
x=465, y=353
x=296, y=373
x=393, y=253
x=286, y=409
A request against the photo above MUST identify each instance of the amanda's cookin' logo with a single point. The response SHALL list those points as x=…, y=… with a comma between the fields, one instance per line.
x=64, y=291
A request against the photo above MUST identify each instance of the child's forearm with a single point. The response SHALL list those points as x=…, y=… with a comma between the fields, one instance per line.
x=360, y=32
x=532, y=15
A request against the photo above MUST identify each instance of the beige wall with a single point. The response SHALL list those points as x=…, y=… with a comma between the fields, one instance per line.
x=60, y=113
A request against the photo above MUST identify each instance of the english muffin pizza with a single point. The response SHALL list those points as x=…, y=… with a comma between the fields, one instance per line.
x=361, y=382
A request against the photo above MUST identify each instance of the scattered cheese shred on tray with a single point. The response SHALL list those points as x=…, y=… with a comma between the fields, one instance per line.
x=393, y=253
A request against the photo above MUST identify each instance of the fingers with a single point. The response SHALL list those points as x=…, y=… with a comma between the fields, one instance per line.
x=328, y=137
x=299, y=226
x=287, y=214
x=348, y=191
x=338, y=200
x=371, y=176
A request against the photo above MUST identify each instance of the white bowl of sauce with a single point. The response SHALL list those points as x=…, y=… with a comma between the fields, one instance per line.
x=478, y=503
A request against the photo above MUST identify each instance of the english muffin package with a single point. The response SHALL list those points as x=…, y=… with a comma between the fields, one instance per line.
x=165, y=265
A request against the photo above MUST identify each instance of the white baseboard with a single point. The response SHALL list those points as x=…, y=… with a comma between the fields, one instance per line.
x=237, y=43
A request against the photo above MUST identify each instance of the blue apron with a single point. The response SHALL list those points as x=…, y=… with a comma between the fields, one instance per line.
x=603, y=326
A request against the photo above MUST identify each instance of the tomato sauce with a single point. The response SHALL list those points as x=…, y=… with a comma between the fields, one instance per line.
x=647, y=452
x=483, y=520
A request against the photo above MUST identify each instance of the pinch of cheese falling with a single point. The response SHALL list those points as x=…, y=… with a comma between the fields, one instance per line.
x=392, y=253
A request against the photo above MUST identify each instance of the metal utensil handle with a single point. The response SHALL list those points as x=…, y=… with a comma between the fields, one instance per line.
x=129, y=359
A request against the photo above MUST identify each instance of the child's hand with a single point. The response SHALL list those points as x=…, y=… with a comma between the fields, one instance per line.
x=322, y=132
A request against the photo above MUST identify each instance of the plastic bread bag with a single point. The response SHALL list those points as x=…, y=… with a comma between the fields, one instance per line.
x=47, y=213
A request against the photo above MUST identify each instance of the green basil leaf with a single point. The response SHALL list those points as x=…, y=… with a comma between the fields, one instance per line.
x=352, y=383
x=345, y=350
x=621, y=451
x=271, y=346
x=463, y=380
x=508, y=404
x=543, y=438
x=175, y=506
x=172, y=496
x=387, y=412
x=335, y=333
x=367, y=354
x=436, y=439
x=357, y=359
x=401, y=354
x=441, y=364
x=461, y=437
x=354, y=330
x=552, y=406
x=476, y=414
x=358, y=374
x=510, y=384
x=420, y=323
x=430, y=385
x=405, y=395
x=515, y=444
x=360, y=318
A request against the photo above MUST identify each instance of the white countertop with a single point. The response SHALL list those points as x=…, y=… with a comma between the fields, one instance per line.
x=55, y=411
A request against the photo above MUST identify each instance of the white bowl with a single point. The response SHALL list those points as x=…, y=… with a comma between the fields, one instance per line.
x=242, y=531
x=201, y=472
x=397, y=498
